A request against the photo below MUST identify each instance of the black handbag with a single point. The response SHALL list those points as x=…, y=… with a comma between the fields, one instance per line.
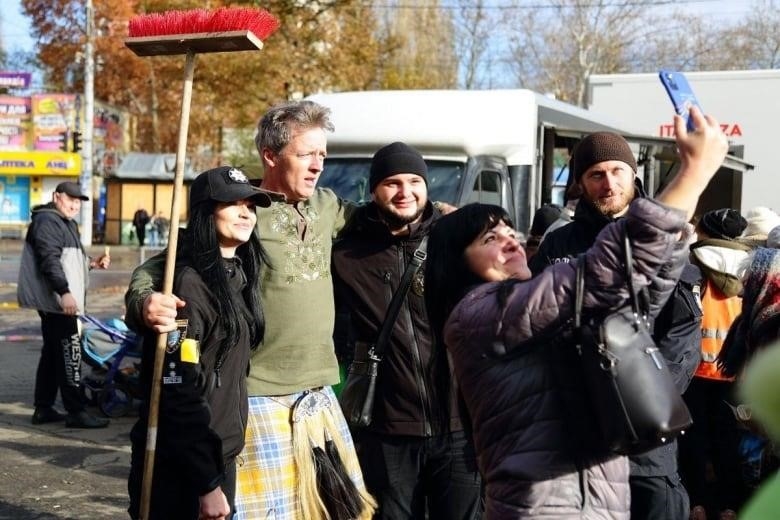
x=357, y=395
x=636, y=404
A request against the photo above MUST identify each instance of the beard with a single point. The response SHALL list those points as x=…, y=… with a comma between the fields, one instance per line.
x=395, y=221
x=618, y=203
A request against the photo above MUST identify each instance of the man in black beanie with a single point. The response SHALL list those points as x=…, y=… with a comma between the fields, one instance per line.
x=604, y=168
x=399, y=185
x=414, y=453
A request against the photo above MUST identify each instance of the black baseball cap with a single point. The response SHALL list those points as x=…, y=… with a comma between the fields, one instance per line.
x=72, y=189
x=228, y=184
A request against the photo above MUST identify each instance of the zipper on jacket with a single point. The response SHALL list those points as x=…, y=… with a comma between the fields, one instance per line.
x=419, y=370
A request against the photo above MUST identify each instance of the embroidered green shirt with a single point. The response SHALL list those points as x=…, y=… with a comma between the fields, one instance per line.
x=297, y=293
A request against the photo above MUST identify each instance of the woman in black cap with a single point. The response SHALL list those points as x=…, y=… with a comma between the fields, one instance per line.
x=203, y=402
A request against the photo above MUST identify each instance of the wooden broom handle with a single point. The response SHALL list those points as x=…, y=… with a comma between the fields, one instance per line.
x=170, y=264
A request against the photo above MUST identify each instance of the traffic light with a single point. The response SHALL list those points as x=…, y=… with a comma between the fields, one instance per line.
x=64, y=141
x=76, y=142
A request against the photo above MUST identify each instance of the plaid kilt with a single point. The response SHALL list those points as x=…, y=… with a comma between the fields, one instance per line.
x=266, y=473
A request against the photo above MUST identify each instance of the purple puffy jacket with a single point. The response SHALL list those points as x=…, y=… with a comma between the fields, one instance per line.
x=523, y=440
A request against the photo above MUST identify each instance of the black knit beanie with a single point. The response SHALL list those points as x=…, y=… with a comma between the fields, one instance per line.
x=393, y=159
x=544, y=218
x=599, y=147
x=725, y=224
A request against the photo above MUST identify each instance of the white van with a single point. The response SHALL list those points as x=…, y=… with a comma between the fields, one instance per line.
x=504, y=147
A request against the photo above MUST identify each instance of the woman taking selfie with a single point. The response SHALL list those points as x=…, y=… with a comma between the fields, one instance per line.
x=203, y=398
x=530, y=455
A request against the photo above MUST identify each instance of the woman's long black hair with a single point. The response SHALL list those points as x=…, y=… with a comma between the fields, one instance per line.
x=447, y=275
x=201, y=249
x=448, y=278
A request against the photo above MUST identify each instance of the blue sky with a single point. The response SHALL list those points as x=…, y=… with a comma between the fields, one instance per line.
x=15, y=28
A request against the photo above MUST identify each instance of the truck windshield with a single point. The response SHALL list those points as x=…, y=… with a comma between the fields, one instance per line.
x=349, y=179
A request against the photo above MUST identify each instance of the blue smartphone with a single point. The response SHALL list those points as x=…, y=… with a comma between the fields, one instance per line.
x=681, y=94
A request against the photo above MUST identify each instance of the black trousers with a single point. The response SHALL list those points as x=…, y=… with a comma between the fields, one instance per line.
x=659, y=498
x=140, y=232
x=407, y=474
x=60, y=365
x=173, y=498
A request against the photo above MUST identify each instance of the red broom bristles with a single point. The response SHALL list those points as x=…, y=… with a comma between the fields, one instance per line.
x=257, y=21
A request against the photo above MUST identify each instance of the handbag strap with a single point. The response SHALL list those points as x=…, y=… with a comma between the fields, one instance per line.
x=638, y=306
x=395, y=303
x=579, y=290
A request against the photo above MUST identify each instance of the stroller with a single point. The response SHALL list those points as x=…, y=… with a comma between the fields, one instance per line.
x=114, y=353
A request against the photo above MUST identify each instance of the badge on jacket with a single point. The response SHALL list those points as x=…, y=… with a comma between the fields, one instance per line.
x=175, y=337
x=418, y=283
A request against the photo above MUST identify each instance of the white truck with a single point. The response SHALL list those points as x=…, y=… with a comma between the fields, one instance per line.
x=505, y=147
x=745, y=102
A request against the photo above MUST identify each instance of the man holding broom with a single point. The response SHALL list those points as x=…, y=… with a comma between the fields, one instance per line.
x=293, y=414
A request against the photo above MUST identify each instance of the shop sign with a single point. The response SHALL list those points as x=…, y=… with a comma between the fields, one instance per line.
x=40, y=163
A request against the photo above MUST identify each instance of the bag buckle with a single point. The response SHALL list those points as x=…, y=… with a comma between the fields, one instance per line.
x=608, y=359
x=371, y=354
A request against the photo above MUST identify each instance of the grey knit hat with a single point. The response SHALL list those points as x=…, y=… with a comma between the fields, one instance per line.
x=599, y=147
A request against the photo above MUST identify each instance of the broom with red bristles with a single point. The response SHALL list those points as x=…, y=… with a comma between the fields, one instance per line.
x=187, y=32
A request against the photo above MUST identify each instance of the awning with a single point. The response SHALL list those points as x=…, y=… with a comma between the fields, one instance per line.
x=150, y=167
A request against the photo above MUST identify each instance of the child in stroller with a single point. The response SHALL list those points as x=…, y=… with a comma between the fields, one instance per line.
x=114, y=353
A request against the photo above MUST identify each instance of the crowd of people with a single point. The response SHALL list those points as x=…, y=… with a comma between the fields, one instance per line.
x=470, y=416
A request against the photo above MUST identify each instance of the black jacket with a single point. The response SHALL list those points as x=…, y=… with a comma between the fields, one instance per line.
x=677, y=328
x=53, y=262
x=203, y=402
x=368, y=263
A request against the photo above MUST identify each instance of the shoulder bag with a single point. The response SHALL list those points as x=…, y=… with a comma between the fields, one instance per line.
x=636, y=404
x=357, y=396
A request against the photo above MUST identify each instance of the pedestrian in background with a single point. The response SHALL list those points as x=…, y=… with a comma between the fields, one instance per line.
x=53, y=279
x=160, y=227
x=544, y=217
x=709, y=460
x=760, y=221
x=140, y=220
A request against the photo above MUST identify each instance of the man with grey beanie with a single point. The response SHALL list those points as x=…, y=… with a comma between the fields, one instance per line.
x=414, y=454
x=604, y=167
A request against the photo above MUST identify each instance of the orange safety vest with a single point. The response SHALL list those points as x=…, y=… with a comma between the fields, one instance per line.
x=718, y=313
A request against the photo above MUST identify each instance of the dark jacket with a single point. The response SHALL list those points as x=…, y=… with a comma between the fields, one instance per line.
x=53, y=262
x=368, y=263
x=522, y=431
x=203, y=402
x=677, y=328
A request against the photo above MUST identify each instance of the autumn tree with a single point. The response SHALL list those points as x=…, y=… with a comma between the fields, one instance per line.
x=754, y=42
x=557, y=47
x=324, y=45
x=473, y=29
x=419, y=46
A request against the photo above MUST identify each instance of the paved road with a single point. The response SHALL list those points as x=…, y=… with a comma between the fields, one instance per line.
x=49, y=471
